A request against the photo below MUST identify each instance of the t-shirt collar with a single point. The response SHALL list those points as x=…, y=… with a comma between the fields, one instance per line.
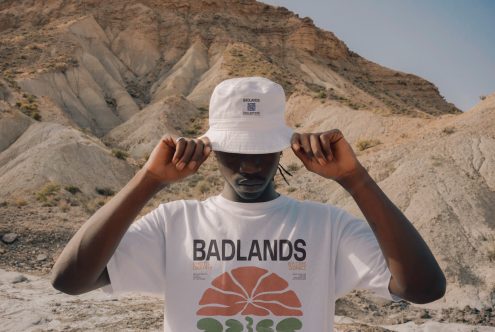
x=257, y=207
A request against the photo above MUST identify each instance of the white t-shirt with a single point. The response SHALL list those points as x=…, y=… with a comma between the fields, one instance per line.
x=221, y=264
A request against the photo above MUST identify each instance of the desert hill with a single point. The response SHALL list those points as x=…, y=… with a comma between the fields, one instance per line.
x=87, y=88
x=101, y=62
x=440, y=172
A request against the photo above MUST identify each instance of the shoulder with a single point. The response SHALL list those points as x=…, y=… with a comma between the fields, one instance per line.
x=319, y=212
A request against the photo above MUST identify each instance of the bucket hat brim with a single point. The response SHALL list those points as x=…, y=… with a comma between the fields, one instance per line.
x=250, y=141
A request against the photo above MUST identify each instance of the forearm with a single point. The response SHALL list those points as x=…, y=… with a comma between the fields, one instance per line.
x=415, y=272
x=85, y=256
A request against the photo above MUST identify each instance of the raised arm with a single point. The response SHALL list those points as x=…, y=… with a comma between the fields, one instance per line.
x=81, y=267
x=416, y=275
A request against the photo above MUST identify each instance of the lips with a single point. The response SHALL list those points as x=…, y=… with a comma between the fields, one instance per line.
x=249, y=182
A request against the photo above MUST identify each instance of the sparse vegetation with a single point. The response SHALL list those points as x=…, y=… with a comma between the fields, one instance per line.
x=105, y=191
x=203, y=186
x=48, y=195
x=120, y=154
x=10, y=79
x=111, y=102
x=364, y=144
x=491, y=253
x=20, y=202
x=196, y=126
x=28, y=106
x=448, y=130
x=482, y=97
x=191, y=132
x=321, y=95
x=437, y=161
x=245, y=60
x=292, y=167
x=64, y=206
x=195, y=179
x=73, y=189
x=291, y=189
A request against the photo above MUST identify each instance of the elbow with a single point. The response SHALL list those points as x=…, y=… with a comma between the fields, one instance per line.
x=58, y=282
x=433, y=291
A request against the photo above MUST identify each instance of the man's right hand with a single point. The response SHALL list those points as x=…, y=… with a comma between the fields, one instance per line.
x=171, y=160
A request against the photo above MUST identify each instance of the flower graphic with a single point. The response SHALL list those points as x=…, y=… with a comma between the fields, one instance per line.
x=249, y=290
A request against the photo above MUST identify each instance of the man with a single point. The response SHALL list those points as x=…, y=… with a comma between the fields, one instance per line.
x=250, y=259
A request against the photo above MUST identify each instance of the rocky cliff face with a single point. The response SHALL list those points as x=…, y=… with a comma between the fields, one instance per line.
x=87, y=88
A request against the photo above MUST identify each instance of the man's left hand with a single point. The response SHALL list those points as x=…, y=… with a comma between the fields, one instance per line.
x=327, y=154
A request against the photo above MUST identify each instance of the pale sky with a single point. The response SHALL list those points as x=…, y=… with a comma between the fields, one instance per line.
x=451, y=43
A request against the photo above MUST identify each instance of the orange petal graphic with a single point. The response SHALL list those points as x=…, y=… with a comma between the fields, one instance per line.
x=271, y=283
x=225, y=282
x=288, y=298
x=248, y=277
x=278, y=310
x=267, y=300
x=212, y=296
x=256, y=311
x=221, y=311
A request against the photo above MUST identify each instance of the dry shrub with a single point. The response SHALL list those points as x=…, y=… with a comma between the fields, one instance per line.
x=49, y=194
x=364, y=144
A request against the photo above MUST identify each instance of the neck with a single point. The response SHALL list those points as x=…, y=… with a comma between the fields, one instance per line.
x=268, y=194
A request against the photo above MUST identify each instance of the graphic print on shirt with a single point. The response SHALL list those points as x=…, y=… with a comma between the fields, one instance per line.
x=249, y=291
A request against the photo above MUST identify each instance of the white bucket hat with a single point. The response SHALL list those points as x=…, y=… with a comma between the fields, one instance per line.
x=246, y=115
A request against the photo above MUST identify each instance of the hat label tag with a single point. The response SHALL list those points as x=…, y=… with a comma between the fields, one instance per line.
x=251, y=107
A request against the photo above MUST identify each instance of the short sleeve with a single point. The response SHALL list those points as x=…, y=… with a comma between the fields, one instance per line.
x=138, y=263
x=360, y=263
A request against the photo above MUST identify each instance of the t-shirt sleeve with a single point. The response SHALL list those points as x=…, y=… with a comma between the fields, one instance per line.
x=138, y=263
x=360, y=263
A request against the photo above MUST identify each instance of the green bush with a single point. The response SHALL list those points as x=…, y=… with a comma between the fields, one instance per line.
x=48, y=195
x=50, y=189
x=73, y=189
x=321, y=95
x=36, y=116
x=104, y=191
x=120, y=154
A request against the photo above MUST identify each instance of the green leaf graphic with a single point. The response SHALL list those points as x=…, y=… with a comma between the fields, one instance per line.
x=233, y=326
x=289, y=325
x=249, y=326
x=209, y=325
x=265, y=325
